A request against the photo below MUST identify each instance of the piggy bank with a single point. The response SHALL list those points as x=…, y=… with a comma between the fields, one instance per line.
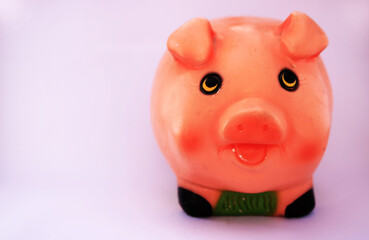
x=241, y=109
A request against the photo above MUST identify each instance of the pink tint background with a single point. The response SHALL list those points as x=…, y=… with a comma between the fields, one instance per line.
x=78, y=159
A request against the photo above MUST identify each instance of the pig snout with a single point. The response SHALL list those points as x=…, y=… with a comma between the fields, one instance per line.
x=253, y=121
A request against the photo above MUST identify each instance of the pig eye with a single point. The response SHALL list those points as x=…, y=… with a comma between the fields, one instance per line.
x=288, y=80
x=211, y=83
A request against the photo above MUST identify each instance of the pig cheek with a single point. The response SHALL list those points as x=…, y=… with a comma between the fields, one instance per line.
x=311, y=151
x=312, y=146
x=189, y=141
x=313, y=141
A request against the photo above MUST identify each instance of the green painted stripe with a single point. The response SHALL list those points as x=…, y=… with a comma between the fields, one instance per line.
x=238, y=204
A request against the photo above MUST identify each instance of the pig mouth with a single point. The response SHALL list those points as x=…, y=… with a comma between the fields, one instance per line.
x=250, y=154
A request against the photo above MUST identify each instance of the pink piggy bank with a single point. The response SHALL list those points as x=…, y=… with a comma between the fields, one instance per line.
x=241, y=108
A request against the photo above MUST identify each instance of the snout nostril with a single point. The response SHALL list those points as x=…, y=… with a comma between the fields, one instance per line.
x=240, y=127
x=264, y=127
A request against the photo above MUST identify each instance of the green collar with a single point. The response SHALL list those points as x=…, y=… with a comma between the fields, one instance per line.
x=239, y=204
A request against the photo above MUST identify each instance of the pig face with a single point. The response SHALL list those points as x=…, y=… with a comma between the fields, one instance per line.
x=243, y=104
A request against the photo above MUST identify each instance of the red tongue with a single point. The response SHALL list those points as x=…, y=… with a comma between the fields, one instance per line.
x=250, y=153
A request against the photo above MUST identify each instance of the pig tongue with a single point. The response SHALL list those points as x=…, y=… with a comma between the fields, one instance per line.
x=250, y=153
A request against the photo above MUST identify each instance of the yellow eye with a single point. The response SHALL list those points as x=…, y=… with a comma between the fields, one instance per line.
x=210, y=84
x=288, y=80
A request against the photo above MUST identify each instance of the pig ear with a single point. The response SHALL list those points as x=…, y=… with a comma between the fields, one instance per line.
x=192, y=43
x=302, y=37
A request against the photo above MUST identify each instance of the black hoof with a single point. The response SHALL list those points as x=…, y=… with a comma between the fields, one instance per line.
x=301, y=206
x=193, y=204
